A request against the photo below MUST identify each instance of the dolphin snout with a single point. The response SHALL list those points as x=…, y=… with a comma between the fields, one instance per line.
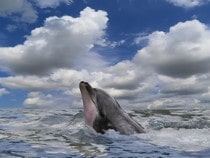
x=82, y=84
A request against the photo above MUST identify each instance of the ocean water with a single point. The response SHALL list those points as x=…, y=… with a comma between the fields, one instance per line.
x=61, y=133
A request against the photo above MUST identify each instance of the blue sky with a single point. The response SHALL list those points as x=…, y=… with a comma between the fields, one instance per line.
x=145, y=53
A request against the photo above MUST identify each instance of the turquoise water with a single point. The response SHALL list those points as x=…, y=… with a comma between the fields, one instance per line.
x=60, y=132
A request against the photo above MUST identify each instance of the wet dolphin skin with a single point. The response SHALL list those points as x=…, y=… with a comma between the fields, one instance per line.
x=103, y=112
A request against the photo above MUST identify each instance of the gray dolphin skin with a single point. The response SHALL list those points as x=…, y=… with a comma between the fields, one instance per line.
x=102, y=112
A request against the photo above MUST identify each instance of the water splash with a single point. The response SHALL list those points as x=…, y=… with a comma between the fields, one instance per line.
x=62, y=133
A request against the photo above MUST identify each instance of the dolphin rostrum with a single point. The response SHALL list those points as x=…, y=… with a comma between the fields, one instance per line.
x=103, y=112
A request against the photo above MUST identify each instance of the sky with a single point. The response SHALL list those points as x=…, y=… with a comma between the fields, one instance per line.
x=151, y=53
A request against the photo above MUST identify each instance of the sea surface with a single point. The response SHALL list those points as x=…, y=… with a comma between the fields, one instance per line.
x=33, y=132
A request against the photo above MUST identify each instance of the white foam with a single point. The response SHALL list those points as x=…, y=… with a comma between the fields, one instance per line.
x=182, y=139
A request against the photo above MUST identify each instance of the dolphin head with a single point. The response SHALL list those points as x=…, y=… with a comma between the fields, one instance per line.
x=96, y=102
x=103, y=112
x=89, y=100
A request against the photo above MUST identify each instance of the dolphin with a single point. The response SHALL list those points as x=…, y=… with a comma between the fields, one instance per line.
x=103, y=112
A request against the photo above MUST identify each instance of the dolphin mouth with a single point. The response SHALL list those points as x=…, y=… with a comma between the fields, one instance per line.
x=90, y=110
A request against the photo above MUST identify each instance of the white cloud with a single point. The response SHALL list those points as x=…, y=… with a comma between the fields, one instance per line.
x=3, y=91
x=20, y=10
x=47, y=99
x=173, y=65
x=181, y=53
x=188, y=3
x=58, y=44
x=177, y=86
x=10, y=6
x=65, y=81
x=141, y=39
x=117, y=43
x=29, y=14
x=27, y=82
x=118, y=78
x=38, y=98
x=25, y=11
x=52, y=3
x=61, y=79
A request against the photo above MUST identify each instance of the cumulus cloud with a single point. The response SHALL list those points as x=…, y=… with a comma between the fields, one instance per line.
x=3, y=91
x=61, y=79
x=20, y=10
x=180, y=53
x=187, y=3
x=38, y=98
x=27, y=82
x=172, y=69
x=116, y=78
x=57, y=44
x=65, y=81
x=46, y=100
x=173, y=64
x=178, y=86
